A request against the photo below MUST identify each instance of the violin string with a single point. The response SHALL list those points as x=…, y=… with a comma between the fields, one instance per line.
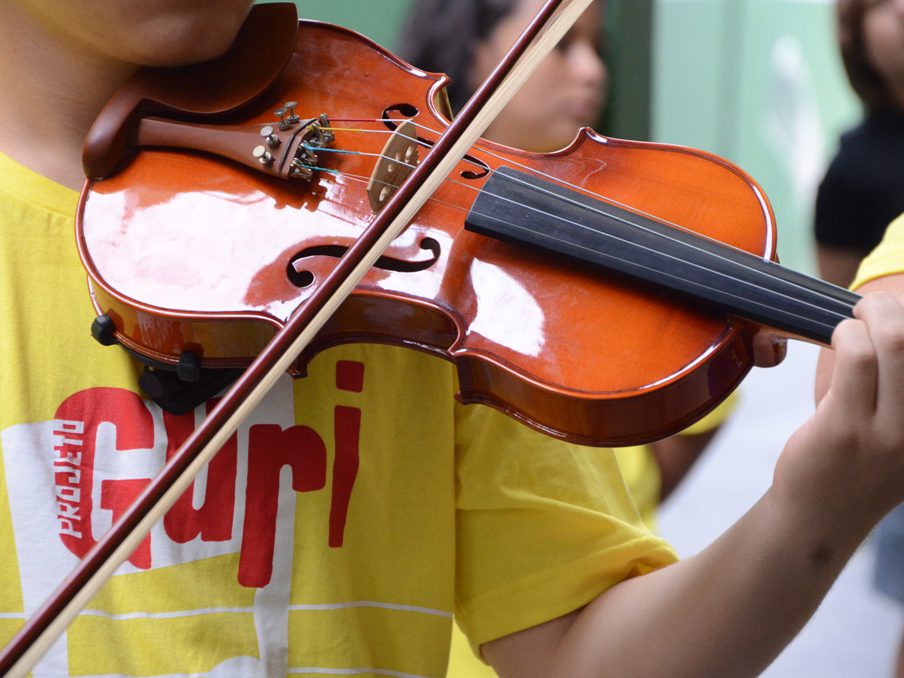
x=510, y=161
x=839, y=317
x=564, y=199
x=526, y=168
x=530, y=170
x=489, y=170
x=707, y=269
x=659, y=253
x=666, y=237
x=365, y=180
x=663, y=272
x=724, y=258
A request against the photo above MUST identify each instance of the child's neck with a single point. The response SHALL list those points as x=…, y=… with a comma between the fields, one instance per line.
x=51, y=94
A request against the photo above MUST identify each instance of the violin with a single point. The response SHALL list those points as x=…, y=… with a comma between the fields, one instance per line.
x=255, y=209
x=606, y=293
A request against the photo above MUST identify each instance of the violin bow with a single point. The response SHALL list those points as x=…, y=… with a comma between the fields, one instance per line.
x=33, y=640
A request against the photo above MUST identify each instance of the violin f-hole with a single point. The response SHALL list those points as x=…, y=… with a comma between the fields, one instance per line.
x=301, y=276
x=406, y=111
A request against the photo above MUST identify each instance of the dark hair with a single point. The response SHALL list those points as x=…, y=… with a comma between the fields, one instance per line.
x=441, y=35
x=866, y=81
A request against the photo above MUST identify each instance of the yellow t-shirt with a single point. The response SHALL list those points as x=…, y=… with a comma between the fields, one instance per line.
x=887, y=258
x=353, y=513
x=640, y=470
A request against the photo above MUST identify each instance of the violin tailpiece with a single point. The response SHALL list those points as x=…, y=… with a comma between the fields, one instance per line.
x=286, y=149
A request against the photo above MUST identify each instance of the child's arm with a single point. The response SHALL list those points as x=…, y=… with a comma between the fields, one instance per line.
x=732, y=608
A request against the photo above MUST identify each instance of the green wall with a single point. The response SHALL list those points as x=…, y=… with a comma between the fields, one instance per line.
x=760, y=83
x=379, y=20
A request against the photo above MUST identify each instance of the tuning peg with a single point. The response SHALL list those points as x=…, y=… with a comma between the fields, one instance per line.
x=291, y=117
x=263, y=156
x=270, y=136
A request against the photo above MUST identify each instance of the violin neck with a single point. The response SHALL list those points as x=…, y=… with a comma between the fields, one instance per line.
x=523, y=209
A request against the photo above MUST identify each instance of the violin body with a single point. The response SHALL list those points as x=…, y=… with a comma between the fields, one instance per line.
x=187, y=252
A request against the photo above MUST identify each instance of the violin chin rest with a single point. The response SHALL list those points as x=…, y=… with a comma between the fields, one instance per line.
x=261, y=50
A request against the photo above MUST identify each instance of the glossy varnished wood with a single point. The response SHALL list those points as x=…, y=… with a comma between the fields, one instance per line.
x=187, y=252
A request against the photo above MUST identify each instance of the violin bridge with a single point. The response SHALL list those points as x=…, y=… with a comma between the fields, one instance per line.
x=397, y=160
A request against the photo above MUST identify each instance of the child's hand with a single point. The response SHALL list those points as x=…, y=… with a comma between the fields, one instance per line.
x=847, y=461
x=769, y=349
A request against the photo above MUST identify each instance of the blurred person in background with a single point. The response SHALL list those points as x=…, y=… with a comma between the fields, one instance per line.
x=863, y=188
